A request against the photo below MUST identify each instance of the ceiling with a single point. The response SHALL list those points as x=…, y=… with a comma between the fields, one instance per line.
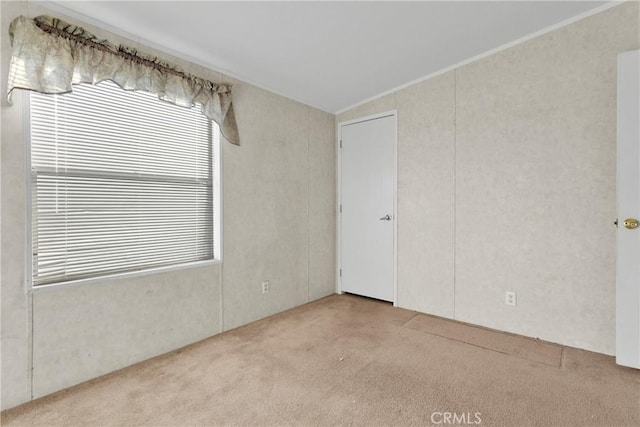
x=330, y=55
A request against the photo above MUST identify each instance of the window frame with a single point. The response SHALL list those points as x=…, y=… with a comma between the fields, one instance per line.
x=218, y=214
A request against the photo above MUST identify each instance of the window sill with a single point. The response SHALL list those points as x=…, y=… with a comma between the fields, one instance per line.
x=123, y=276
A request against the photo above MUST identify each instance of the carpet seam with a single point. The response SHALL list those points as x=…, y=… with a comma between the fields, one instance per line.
x=412, y=317
x=557, y=365
x=487, y=348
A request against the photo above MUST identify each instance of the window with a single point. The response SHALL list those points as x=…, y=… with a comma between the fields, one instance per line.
x=120, y=182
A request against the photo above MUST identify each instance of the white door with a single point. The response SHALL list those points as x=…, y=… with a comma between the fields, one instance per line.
x=367, y=197
x=628, y=257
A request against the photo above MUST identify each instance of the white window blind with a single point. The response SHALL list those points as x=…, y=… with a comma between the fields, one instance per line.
x=120, y=182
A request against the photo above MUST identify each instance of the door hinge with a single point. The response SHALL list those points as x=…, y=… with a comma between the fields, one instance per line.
x=340, y=143
x=340, y=208
x=340, y=272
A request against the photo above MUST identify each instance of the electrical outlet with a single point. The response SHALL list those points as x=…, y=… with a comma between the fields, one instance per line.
x=265, y=286
x=510, y=298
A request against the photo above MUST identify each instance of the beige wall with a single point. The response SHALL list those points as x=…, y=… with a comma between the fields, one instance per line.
x=278, y=225
x=506, y=181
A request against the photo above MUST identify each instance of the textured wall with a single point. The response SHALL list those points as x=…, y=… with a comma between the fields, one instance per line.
x=322, y=204
x=15, y=301
x=278, y=225
x=275, y=228
x=82, y=332
x=519, y=149
x=425, y=196
x=536, y=183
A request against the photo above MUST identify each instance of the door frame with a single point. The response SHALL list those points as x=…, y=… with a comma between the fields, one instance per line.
x=394, y=114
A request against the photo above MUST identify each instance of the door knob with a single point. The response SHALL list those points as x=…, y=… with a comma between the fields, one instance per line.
x=631, y=223
x=388, y=218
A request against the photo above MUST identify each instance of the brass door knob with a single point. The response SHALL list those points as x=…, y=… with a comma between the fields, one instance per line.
x=631, y=223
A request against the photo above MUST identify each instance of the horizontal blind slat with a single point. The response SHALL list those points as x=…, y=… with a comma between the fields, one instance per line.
x=120, y=182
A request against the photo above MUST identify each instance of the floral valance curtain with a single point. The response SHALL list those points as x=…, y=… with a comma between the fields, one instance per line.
x=50, y=56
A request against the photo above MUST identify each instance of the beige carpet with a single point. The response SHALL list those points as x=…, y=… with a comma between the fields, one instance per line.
x=349, y=360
